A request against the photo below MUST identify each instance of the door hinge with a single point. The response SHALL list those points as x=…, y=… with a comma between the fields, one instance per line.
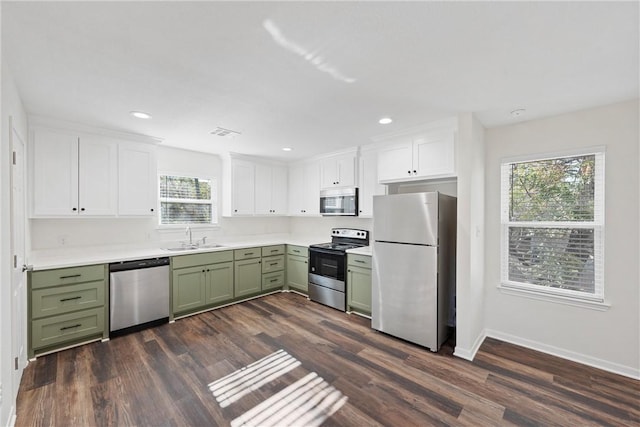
x=15, y=363
x=14, y=158
x=15, y=261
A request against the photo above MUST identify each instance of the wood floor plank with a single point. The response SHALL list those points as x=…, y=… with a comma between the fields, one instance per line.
x=162, y=376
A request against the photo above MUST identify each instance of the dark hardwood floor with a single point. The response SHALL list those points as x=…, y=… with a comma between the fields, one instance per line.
x=282, y=360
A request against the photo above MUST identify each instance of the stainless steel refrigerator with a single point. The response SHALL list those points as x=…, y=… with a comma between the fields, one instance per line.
x=414, y=258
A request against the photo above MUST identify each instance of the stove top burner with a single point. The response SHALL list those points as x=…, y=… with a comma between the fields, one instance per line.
x=336, y=246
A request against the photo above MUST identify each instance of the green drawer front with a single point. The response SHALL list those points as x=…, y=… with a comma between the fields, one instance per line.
x=297, y=250
x=67, y=276
x=65, y=299
x=273, y=263
x=67, y=327
x=273, y=250
x=273, y=280
x=247, y=253
x=193, y=260
x=363, y=261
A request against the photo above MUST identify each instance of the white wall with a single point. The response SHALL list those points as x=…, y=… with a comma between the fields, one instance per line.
x=11, y=105
x=470, y=238
x=71, y=232
x=319, y=228
x=607, y=339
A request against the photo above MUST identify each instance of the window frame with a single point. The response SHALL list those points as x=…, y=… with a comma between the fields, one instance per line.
x=570, y=297
x=213, y=201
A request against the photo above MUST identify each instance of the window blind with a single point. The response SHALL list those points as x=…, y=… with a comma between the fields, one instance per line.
x=186, y=200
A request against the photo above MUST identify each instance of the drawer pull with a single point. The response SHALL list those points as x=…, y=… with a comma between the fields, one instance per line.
x=273, y=263
x=273, y=280
x=71, y=277
x=248, y=253
x=296, y=251
x=274, y=250
x=360, y=261
x=70, y=327
x=71, y=298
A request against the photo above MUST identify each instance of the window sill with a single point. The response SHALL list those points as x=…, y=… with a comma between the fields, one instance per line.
x=557, y=299
x=174, y=227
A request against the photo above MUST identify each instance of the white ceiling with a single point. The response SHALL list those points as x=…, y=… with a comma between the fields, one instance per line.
x=314, y=76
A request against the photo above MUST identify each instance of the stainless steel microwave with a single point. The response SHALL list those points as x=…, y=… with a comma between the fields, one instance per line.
x=339, y=201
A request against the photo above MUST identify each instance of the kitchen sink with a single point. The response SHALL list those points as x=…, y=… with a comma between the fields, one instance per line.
x=192, y=247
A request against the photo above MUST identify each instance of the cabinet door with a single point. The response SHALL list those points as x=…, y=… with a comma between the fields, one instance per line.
x=243, y=187
x=279, y=190
x=298, y=273
x=395, y=162
x=304, y=189
x=219, y=282
x=359, y=289
x=97, y=175
x=329, y=174
x=247, y=277
x=296, y=190
x=188, y=289
x=434, y=154
x=263, y=190
x=55, y=173
x=137, y=179
x=369, y=185
x=346, y=166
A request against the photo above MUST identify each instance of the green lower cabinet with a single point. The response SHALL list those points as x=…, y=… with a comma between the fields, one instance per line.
x=359, y=289
x=273, y=281
x=67, y=328
x=219, y=282
x=189, y=289
x=298, y=273
x=247, y=277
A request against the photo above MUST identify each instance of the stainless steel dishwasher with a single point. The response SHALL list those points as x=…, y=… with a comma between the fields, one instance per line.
x=138, y=295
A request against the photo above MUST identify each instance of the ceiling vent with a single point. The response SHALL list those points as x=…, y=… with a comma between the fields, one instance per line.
x=224, y=132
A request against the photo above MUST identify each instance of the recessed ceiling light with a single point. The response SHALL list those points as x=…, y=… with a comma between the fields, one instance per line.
x=385, y=120
x=517, y=113
x=140, y=114
x=287, y=149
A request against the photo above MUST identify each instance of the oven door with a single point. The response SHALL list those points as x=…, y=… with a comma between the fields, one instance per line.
x=327, y=268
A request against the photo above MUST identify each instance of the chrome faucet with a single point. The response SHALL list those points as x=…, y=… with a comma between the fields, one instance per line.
x=188, y=231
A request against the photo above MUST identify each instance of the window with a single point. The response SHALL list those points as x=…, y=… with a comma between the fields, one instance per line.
x=187, y=200
x=552, y=225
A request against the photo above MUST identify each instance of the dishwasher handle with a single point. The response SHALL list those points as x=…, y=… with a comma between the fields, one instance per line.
x=138, y=264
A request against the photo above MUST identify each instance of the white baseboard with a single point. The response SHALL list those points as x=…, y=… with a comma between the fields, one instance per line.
x=470, y=353
x=605, y=365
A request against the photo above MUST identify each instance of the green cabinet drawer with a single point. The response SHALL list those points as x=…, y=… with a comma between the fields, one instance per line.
x=248, y=253
x=298, y=250
x=273, y=250
x=65, y=299
x=273, y=280
x=363, y=261
x=67, y=276
x=273, y=263
x=67, y=328
x=193, y=260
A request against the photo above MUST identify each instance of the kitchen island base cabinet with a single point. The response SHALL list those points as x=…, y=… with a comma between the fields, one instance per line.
x=359, y=284
x=298, y=268
x=67, y=306
x=201, y=281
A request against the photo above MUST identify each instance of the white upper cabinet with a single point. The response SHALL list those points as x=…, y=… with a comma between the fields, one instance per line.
x=73, y=174
x=254, y=187
x=137, y=179
x=425, y=155
x=270, y=190
x=369, y=185
x=304, y=189
x=338, y=171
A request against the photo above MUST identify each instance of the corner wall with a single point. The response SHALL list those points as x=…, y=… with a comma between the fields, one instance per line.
x=606, y=339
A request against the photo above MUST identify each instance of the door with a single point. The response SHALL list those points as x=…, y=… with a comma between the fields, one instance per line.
x=369, y=185
x=18, y=287
x=408, y=218
x=55, y=173
x=97, y=176
x=219, y=282
x=359, y=289
x=189, y=289
x=279, y=191
x=298, y=273
x=395, y=162
x=243, y=191
x=247, y=276
x=405, y=292
x=434, y=155
x=137, y=179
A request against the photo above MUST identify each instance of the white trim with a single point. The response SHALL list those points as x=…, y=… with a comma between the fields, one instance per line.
x=597, y=149
x=594, y=362
x=470, y=354
x=541, y=295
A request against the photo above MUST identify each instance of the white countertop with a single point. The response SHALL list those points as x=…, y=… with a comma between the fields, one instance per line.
x=44, y=259
x=365, y=250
